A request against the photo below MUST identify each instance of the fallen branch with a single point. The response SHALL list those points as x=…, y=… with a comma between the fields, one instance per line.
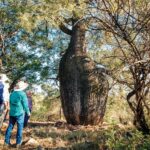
x=37, y=123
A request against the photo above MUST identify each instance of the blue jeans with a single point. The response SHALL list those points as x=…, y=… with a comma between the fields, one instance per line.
x=12, y=121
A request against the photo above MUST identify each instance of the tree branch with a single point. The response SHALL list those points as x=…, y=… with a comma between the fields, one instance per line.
x=64, y=29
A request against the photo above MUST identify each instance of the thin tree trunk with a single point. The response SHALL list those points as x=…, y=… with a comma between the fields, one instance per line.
x=138, y=110
x=139, y=120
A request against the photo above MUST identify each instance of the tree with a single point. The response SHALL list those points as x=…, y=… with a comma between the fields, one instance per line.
x=23, y=53
x=125, y=25
x=83, y=87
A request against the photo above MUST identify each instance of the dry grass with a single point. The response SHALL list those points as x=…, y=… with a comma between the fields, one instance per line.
x=102, y=137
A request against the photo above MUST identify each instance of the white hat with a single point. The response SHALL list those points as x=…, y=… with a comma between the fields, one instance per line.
x=21, y=85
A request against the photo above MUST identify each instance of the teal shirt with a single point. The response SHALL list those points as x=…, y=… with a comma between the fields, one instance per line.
x=18, y=103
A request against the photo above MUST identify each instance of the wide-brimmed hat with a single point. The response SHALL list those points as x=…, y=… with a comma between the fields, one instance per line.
x=21, y=85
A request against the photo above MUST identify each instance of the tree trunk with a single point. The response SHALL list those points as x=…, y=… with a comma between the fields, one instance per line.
x=83, y=88
x=139, y=120
x=137, y=108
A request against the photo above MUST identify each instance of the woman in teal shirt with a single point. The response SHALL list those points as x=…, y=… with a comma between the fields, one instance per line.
x=18, y=106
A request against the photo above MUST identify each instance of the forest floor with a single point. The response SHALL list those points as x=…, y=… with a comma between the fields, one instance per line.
x=61, y=136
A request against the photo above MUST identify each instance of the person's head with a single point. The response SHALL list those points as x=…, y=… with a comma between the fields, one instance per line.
x=21, y=85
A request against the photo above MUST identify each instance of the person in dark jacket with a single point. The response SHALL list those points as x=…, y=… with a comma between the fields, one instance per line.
x=1, y=91
x=18, y=105
x=26, y=118
x=2, y=115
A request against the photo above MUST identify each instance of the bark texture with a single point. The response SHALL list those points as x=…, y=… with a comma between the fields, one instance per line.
x=83, y=88
x=135, y=100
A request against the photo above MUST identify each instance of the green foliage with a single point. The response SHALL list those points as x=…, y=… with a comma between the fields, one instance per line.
x=50, y=12
x=33, y=55
x=126, y=140
x=45, y=132
x=77, y=136
x=117, y=110
x=111, y=138
x=46, y=104
x=86, y=146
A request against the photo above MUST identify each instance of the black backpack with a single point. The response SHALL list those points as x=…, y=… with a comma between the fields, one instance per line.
x=1, y=92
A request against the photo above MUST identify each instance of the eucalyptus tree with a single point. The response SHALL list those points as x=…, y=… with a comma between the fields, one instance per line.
x=9, y=28
x=24, y=54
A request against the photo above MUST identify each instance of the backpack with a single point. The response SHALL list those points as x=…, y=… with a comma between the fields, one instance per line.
x=1, y=92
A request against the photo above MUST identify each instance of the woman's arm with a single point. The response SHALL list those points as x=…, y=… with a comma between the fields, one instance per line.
x=25, y=103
